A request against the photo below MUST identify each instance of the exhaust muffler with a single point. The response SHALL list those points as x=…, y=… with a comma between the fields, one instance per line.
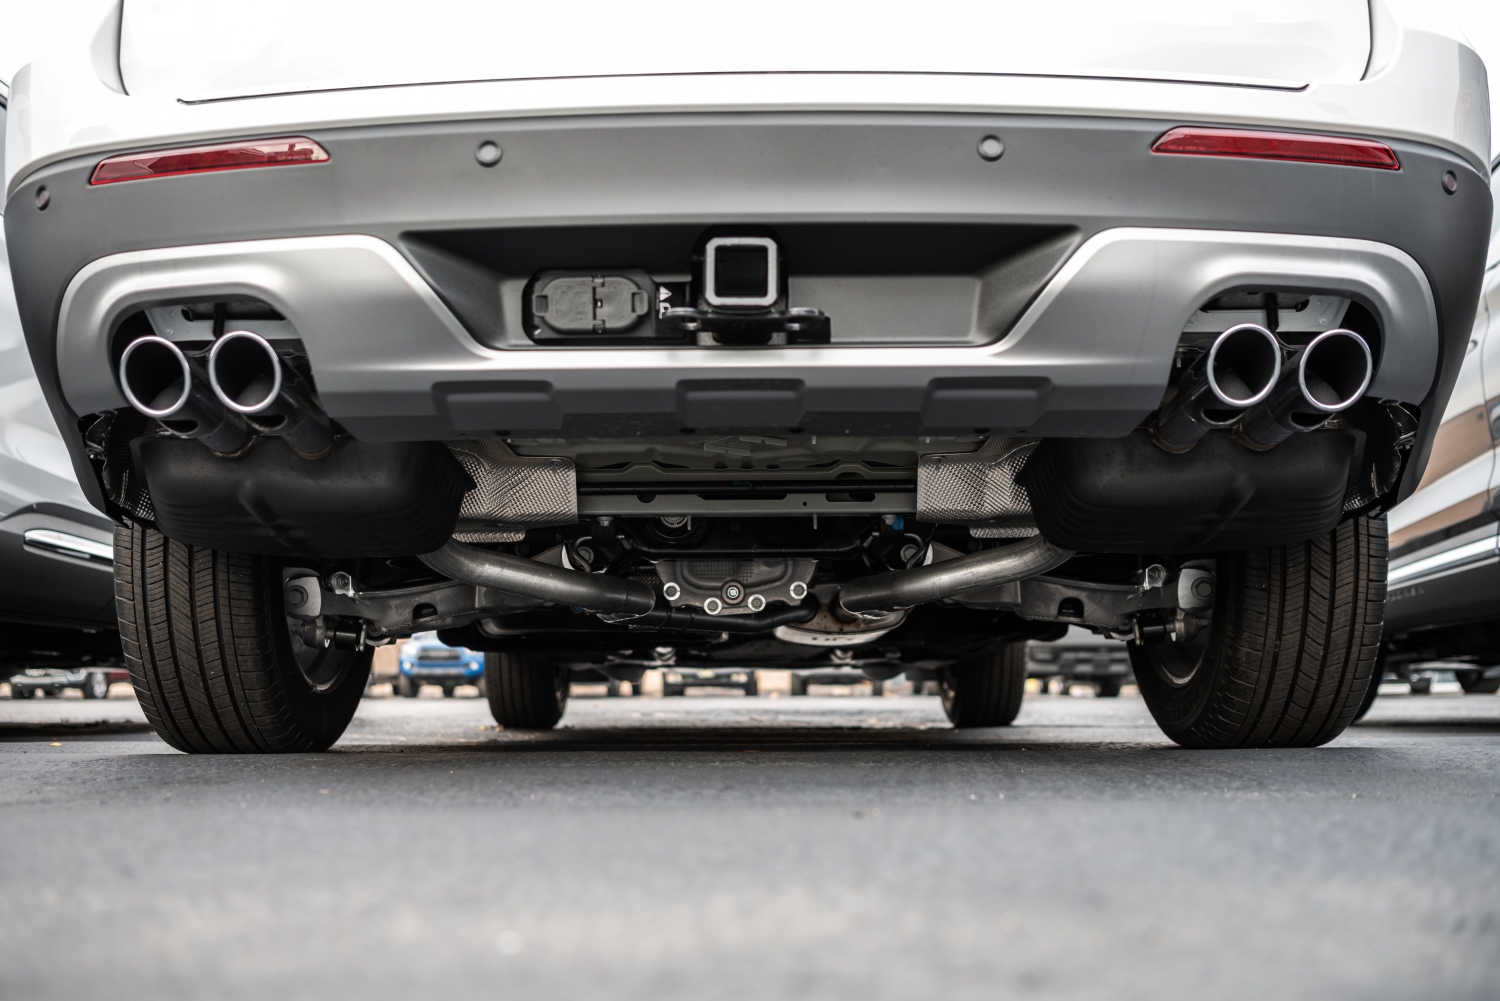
x=162, y=382
x=251, y=379
x=1327, y=376
x=1238, y=371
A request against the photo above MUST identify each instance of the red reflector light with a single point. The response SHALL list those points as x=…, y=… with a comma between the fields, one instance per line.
x=204, y=159
x=1277, y=146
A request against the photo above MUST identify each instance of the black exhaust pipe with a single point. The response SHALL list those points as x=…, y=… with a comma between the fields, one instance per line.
x=162, y=382
x=1327, y=376
x=1236, y=373
x=251, y=379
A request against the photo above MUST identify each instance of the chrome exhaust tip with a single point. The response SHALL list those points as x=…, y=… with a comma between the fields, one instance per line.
x=1334, y=370
x=249, y=377
x=1238, y=371
x=1327, y=376
x=155, y=377
x=245, y=372
x=160, y=381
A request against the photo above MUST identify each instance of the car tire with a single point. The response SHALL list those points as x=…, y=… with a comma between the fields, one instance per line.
x=408, y=688
x=799, y=685
x=95, y=685
x=1109, y=688
x=525, y=693
x=1475, y=683
x=752, y=687
x=1289, y=653
x=877, y=688
x=214, y=662
x=668, y=691
x=21, y=693
x=985, y=690
x=612, y=689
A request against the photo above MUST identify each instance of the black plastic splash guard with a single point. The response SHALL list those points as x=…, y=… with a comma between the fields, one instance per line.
x=1126, y=495
x=363, y=499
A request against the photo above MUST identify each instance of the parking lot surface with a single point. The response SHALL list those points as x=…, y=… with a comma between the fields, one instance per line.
x=827, y=847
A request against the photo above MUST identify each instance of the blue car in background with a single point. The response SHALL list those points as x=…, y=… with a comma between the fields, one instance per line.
x=426, y=660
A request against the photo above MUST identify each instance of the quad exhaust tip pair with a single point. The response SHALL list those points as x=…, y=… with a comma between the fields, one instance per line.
x=1241, y=380
x=245, y=388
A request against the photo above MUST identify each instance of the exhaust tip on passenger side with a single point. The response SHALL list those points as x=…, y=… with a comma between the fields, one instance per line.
x=1327, y=376
x=1238, y=371
x=1334, y=370
x=244, y=371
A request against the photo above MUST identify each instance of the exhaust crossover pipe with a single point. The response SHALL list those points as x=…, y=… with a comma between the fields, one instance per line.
x=619, y=598
x=1327, y=376
x=530, y=579
x=1238, y=371
x=251, y=379
x=162, y=382
x=636, y=599
x=989, y=568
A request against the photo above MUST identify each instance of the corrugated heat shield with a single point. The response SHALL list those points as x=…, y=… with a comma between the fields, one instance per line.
x=975, y=488
x=513, y=492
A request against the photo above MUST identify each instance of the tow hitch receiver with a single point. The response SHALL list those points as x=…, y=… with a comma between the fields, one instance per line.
x=741, y=287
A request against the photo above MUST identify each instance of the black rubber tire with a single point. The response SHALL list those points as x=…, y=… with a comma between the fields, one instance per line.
x=1474, y=683
x=1372, y=691
x=1288, y=657
x=986, y=690
x=448, y=691
x=752, y=687
x=95, y=685
x=612, y=689
x=213, y=661
x=525, y=693
x=408, y=688
x=1109, y=688
x=668, y=691
x=21, y=693
x=799, y=685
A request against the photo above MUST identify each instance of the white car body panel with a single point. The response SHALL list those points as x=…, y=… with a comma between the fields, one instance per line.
x=34, y=463
x=341, y=44
x=1409, y=89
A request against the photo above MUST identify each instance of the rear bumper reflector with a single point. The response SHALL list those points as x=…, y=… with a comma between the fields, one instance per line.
x=1256, y=145
x=207, y=159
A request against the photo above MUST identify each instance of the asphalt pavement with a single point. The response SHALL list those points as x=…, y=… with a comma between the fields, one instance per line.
x=725, y=847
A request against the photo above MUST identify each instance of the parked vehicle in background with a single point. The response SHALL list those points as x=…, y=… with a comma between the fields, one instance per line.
x=93, y=682
x=1080, y=656
x=677, y=680
x=757, y=336
x=1443, y=602
x=427, y=660
x=57, y=592
x=833, y=674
